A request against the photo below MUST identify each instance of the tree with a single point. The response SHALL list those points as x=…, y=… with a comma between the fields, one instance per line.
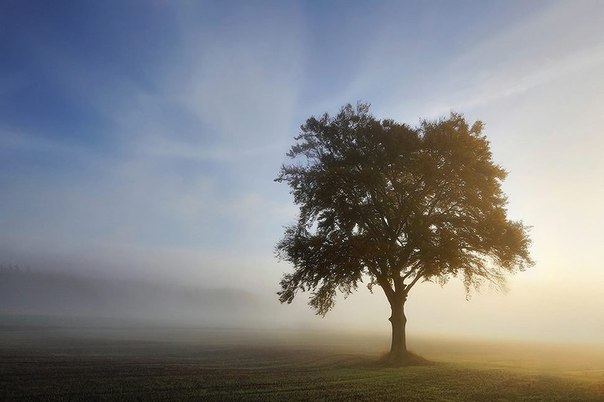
x=394, y=205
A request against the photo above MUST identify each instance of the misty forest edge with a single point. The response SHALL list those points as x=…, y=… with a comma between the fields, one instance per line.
x=397, y=205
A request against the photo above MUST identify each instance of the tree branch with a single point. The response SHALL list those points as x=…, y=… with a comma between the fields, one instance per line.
x=383, y=282
x=414, y=281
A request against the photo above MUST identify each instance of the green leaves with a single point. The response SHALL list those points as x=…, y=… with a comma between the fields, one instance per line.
x=398, y=204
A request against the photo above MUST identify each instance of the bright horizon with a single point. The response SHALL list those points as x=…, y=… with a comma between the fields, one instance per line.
x=141, y=140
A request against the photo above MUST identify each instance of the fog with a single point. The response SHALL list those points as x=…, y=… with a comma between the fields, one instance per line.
x=35, y=298
x=53, y=298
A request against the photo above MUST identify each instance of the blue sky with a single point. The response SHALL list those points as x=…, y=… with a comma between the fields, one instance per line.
x=142, y=138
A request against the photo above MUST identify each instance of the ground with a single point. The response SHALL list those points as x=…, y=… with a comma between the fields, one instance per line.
x=184, y=364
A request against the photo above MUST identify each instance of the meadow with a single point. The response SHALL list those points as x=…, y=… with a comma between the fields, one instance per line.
x=56, y=363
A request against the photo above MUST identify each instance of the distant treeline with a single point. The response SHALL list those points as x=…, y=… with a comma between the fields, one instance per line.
x=14, y=268
x=29, y=292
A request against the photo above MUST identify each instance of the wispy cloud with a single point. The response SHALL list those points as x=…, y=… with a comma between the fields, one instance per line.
x=185, y=166
x=525, y=55
x=495, y=87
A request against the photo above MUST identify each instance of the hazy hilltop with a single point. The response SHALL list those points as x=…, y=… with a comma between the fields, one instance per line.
x=38, y=297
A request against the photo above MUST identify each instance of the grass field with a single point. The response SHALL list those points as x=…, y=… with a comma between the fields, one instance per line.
x=178, y=364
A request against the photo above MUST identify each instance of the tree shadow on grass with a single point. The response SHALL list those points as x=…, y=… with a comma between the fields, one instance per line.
x=404, y=360
x=385, y=361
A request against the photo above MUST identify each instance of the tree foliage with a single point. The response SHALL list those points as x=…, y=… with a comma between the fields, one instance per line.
x=393, y=204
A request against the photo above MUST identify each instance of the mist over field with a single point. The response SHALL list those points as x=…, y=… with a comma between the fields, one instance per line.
x=50, y=298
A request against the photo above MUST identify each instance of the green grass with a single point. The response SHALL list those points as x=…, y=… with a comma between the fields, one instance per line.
x=62, y=365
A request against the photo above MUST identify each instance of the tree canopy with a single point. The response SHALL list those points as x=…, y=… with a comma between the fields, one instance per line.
x=392, y=204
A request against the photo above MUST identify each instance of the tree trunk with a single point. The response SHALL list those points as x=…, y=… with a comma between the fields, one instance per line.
x=398, y=349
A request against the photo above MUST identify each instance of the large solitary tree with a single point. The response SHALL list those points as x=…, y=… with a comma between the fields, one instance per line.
x=395, y=205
